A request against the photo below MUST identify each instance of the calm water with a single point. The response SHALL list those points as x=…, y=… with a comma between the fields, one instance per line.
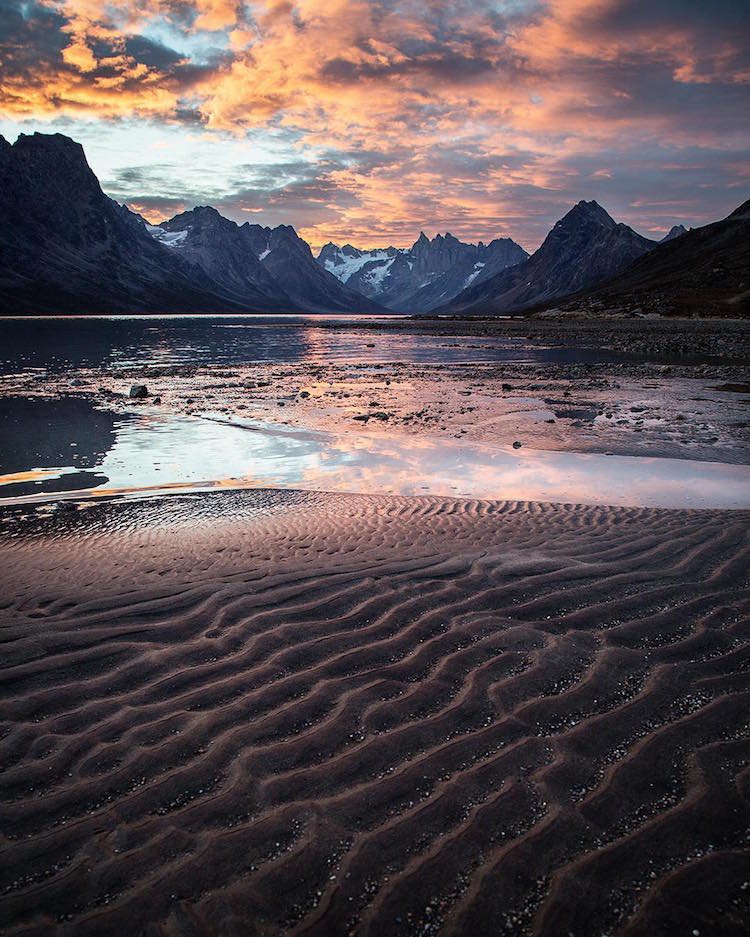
x=49, y=446
x=65, y=344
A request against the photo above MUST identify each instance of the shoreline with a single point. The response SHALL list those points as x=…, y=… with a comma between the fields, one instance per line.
x=627, y=410
x=628, y=407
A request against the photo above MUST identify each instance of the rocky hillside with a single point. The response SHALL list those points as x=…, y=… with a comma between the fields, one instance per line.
x=251, y=260
x=703, y=272
x=584, y=248
x=65, y=247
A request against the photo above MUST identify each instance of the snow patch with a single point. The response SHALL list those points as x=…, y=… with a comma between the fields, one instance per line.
x=376, y=276
x=168, y=238
x=265, y=254
x=478, y=267
x=344, y=266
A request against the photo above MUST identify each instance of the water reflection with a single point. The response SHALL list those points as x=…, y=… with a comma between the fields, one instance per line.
x=150, y=452
x=68, y=343
x=43, y=441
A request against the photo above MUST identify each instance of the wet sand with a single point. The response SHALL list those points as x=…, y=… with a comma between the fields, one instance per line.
x=266, y=713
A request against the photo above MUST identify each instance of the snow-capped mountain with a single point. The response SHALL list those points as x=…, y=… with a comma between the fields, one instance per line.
x=421, y=277
x=472, y=268
x=344, y=262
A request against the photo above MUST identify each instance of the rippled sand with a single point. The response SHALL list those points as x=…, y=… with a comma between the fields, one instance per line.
x=262, y=712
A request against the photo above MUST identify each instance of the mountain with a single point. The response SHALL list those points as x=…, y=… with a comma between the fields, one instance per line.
x=421, y=277
x=288, y=258
x=674, y=232
x=65, y=247
x=475, y=267
x=704, y=272
x=584, y=248
x=255, y=261
x=223, y=251
x=344, y=262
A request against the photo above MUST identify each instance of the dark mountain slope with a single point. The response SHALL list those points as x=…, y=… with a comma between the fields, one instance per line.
x=674, y=232
x=289, y=260
x=224, y=251
x=704, y=272
x=584, y=248
x=67, y=248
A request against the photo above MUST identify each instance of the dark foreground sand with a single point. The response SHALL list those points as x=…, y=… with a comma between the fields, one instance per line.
x=249, y=713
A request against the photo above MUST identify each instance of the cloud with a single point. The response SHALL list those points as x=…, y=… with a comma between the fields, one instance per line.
x=481, y=116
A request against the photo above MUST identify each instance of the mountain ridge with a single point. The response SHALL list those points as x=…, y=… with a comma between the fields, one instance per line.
x=584, y=247
x=418, y=278
x=704, y=271
x=275, y=261
x=67, y=248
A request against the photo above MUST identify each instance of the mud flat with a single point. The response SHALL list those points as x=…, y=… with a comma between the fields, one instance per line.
x=264, y=712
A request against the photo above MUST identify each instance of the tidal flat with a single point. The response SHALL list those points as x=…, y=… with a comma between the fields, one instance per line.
x=257, y=709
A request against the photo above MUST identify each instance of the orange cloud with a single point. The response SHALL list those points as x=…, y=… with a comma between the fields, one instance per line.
x=518, y=100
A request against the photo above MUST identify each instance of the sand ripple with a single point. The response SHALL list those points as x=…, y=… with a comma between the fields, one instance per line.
x=261, y=712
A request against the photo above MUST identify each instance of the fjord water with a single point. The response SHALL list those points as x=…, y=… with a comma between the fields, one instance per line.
x=65, y=445
x=67, y=343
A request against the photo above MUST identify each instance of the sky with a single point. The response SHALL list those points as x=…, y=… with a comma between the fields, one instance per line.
x=367, y=121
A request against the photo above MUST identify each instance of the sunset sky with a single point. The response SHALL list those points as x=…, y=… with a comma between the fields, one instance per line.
x=369, y=120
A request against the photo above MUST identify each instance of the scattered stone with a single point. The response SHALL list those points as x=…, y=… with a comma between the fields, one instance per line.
x=138, y=392
x=517, y=444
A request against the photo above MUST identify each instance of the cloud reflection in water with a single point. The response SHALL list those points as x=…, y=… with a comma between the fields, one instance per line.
x=154, y=452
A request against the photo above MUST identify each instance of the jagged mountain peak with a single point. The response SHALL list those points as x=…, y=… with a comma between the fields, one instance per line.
x=674, y=232
x=583, y=248
x=420, y=277
x=201, y=216
x=587, y=213
x=702, y=272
